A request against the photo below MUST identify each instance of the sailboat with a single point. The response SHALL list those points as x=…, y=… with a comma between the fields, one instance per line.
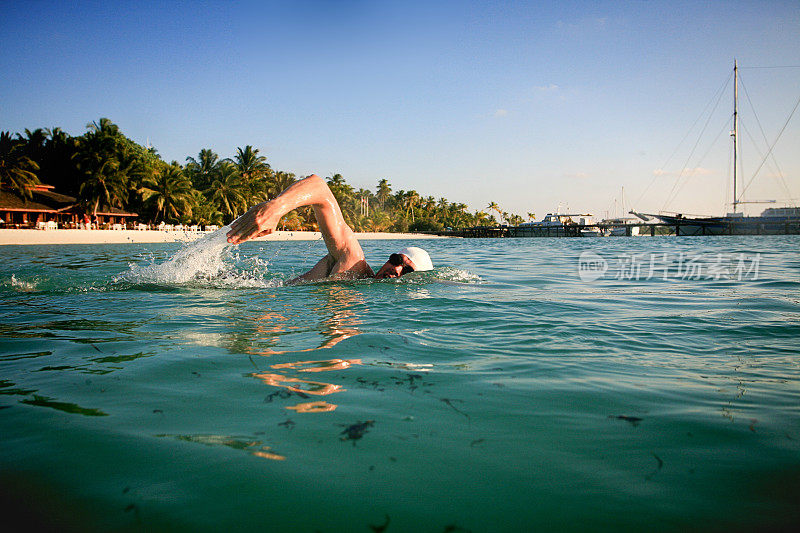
x=771, y=220
x=620, y=226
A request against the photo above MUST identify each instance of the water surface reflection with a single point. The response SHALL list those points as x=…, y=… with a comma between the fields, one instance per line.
x=337, y=321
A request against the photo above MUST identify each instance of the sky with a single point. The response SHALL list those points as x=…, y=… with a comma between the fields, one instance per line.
x=532, y=105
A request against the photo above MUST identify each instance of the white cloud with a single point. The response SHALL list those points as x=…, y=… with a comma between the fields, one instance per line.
x=696, y=171
x=699, y=171
x=576, y=175
x=550, y=92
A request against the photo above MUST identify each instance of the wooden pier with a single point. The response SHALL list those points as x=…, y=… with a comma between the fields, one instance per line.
x=789, y=227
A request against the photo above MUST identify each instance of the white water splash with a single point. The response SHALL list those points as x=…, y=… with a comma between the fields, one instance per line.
x=206, y=261
x=457, y=275
x=20, y=285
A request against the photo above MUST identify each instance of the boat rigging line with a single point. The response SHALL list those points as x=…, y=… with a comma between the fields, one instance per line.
x=674, y=193
x=718, y=96
x=720, y=92
x=780, y=176
x=772, y=146
x=687, y=172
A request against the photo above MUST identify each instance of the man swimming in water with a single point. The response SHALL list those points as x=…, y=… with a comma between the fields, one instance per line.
x=345, y=259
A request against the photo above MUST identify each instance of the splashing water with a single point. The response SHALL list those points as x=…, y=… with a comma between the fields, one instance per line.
x=457, y=275
x=203, y=261
x=208, y=262
x=20, y=285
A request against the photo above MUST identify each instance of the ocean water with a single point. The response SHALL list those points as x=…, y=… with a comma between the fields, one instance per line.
x=617, y=384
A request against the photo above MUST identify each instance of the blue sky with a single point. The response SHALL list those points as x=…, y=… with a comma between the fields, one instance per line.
x=529, y=104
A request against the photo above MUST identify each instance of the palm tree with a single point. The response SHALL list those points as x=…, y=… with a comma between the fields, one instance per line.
x=104, y=158
x=227, y=191
x=411, y=199
x=17, y=171
x=514, y=220
x=292, y=221
x=344, y=194
x=251, y=165
x=206, y=161
x=57, y=162
x=202, y=170
x=254, y=172
x=339, y=184
x=309, y=220
x=482, y=217
x=34, y=143
x=531, y=216
x=103, y=185
x=280, y=182
x=384, y=190
x=104, y=137
x=135, y=170
x=104, y=126
x=455, y=214
x=170, y=192
x=204, y=212
x=494, y=207
x=428, y=204
x=380, y=221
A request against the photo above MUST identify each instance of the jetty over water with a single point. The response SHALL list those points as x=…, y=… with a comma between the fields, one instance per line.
x=745, y=226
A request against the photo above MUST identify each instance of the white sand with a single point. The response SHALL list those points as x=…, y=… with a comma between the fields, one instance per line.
x=79, y=236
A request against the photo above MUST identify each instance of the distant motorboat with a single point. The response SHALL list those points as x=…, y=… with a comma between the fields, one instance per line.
x=592, y=231
x=620, y=227
x=561, y=220
x=558, y=225
x=551, y=220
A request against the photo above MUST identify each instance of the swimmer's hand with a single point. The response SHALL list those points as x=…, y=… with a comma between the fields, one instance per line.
x=258, y=221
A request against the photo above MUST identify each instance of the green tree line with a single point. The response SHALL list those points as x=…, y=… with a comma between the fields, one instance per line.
x=104, y=168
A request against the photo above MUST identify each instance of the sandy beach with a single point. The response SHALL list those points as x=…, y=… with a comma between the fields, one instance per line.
x=79, y=236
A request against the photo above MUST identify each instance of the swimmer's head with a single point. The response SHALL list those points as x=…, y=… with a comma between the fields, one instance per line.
x=411, y=259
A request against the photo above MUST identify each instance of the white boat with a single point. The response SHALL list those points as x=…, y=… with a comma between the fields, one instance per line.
x=551, y=220
x=561, y=219
x=620, y=226
x=558, y=225
x=591, y=231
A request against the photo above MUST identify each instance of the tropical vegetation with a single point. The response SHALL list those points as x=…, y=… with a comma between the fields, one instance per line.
x=17, y=170
x=103, y=168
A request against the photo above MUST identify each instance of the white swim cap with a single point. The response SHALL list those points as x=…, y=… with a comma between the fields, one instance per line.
x=418, y=256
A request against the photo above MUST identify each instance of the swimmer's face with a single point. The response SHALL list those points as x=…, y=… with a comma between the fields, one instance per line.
x=396, y=266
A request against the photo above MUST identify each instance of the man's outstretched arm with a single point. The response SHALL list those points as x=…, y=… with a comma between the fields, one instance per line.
x=345, y=255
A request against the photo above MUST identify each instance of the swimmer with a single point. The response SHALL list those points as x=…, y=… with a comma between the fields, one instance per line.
x=345, y=258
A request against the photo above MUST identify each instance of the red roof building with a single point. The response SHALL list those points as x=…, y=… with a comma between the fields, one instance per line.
x=46, y=205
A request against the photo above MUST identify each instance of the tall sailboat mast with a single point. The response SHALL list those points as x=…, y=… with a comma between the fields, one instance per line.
x=735, y=132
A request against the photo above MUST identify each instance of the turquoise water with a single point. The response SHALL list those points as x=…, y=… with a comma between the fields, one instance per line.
x=505, y=391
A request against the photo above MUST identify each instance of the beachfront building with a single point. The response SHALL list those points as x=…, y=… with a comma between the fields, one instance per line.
x=49, y=209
